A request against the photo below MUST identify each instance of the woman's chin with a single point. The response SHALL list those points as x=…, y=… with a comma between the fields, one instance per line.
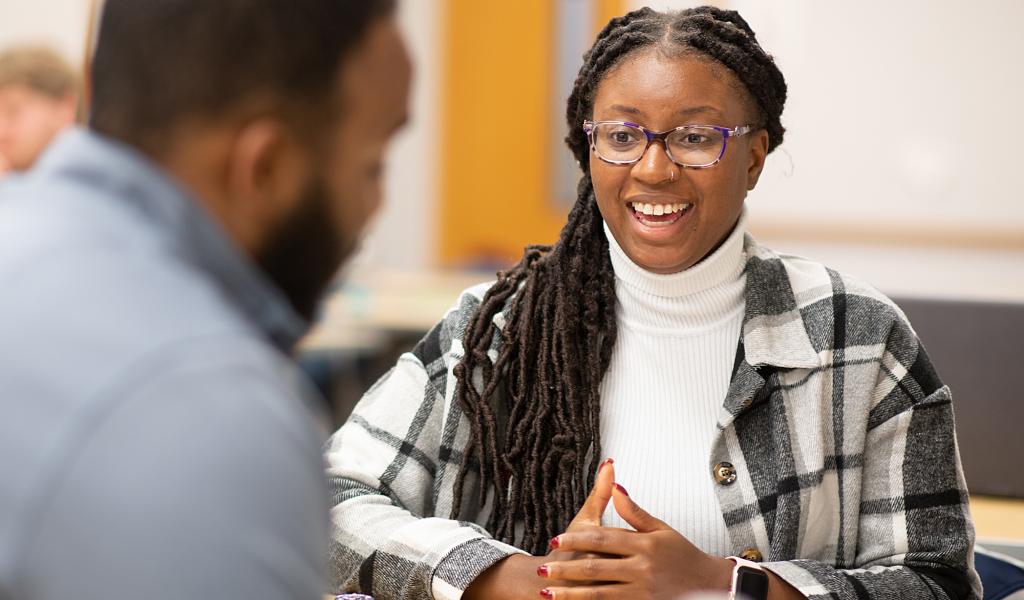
x=662, y=264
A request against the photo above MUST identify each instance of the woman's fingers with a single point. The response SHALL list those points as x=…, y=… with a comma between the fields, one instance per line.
x=631, y=512
x=597, y=592
x=591, y=511
x=598, y=540
x=594, y=570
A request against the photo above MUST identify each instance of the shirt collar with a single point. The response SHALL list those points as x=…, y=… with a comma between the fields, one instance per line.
x=193, y=235
x=708, y=294
x=774, y=333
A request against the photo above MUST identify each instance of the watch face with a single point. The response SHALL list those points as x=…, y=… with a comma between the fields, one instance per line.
x=751, y=584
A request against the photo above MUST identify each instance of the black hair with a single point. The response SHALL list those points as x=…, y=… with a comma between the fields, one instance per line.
x=161, y=61
x=557, y=341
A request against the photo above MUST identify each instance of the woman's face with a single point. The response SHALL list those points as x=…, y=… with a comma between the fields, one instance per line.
x=660, y=93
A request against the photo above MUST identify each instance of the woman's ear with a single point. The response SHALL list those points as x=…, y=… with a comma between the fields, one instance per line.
x=758, y=154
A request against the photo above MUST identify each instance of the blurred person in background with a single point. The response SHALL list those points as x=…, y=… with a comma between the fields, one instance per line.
x=157, y=441
x=779, y=426
x=39, y=94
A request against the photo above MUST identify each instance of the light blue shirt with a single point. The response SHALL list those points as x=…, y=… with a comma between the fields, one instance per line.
x=155, y=439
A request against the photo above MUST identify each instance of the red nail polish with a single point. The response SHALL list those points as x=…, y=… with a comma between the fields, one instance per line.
x=554, y=543
x=622, y=489
x=606, y=462
x=543, y=571
x=546, y=593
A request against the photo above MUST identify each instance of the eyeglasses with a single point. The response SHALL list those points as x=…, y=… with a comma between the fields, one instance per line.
x=693, y=146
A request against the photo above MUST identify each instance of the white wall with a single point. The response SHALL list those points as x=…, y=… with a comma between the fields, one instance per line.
x=904, y=111
x=58, y=23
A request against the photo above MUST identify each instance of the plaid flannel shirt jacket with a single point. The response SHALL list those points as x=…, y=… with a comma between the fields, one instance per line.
x=848, y=474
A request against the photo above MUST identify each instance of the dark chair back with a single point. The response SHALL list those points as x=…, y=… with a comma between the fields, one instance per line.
x=978, y=350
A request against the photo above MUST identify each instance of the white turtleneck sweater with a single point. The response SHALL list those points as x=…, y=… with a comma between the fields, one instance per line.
x=666, y=384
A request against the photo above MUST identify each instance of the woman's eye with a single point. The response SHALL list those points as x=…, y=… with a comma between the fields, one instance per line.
x=695, y=138
x=622, y=137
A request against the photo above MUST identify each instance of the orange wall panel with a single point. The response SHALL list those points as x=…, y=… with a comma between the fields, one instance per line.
x=495, y=164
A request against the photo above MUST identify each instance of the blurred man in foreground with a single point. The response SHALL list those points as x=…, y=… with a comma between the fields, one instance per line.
x=156, y=270
x=38, y=100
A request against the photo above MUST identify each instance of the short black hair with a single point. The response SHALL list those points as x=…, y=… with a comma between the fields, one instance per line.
x=160, y=61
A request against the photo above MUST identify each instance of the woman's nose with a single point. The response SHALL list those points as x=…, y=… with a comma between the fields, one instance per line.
x=655, y=167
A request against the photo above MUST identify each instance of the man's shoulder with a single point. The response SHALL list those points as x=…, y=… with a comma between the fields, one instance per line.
x=99, y=341
x=100, y=284
x=91, y=318
x=82, y=251
x=93, y=313
x=50, y=223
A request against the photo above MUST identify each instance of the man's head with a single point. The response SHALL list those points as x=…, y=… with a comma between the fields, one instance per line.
x=275, y=114
x=38, y=98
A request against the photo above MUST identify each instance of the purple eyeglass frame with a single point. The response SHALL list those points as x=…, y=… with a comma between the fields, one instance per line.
x=588, y=128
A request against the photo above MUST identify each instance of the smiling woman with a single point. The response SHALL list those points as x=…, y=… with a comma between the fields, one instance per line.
x=759, y=407
x=694, y=166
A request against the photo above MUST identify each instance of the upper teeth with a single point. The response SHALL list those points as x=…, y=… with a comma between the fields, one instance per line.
x=658, y=209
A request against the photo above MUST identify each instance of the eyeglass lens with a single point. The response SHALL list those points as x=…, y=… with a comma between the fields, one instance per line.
x=690, y=146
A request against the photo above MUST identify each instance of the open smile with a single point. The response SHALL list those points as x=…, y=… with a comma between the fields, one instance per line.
x=658, y=215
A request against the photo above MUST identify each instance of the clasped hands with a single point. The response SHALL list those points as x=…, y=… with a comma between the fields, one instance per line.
x=593, y=562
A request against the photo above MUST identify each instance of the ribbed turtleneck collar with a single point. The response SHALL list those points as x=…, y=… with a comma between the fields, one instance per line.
x=705, y=295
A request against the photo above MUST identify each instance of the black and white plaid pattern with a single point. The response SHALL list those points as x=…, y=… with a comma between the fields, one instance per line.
x=848, y=476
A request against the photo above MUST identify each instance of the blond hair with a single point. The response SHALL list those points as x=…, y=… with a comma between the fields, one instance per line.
x=38, y=68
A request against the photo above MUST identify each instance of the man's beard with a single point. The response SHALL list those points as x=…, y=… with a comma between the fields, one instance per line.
x=305, y=252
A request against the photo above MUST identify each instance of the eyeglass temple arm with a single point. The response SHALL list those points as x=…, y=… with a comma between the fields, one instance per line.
x=739, y=130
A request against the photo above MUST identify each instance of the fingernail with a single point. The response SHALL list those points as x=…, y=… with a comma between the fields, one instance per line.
x=606, y=462
x=546, y=593
x=621, y=489
x=543, y=571
x=554, y=543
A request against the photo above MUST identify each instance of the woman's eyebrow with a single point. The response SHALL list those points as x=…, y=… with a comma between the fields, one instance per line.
x=696, y=110
x=626, y=109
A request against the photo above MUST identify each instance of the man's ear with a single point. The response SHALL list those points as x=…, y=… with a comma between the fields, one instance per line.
x=758, y=154
x=265, y=173
x=68, y=107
